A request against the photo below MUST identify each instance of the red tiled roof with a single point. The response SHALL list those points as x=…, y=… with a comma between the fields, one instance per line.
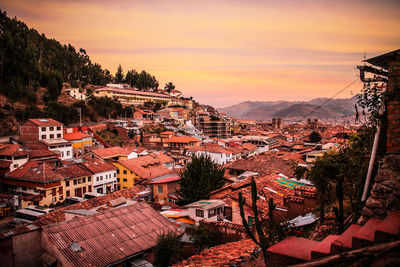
x=74, y=171
x=106, y=238
x=46, y=122
x=161, y=157
x=249, y=146
x=229, y=254
x=59, y=216
x=167, y=132
x=41, y=153
x=166, y=180
x=36, y=171
x=182, y=139
x=5, y=164
x=75, y=136
x=98, y=165
x=12, y=150
x=145, y=169
x=110, y=152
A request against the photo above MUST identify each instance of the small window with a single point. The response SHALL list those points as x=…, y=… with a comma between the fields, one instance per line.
x=89, y=188
x=67, y=193
x=58, y=135
x=83, y=180
x=101, y=178
x=75, y=181
x=118, y=171
x=43, y=136
x=54, y=191
x=54, y=199
x=51, y=128
x=211, y=213
x=199, y=213
x=124, y=171
x=43, y=129
x=160, y=189
x=58, y=128
x=23, y=188
x=118, y=180
x=79, y=181
x=15, y=165
x=115, y=174
x=89, y=179
x=51, y=136
x=68, y=152
x=125, y=180
x=66, y=183
x=61, y=198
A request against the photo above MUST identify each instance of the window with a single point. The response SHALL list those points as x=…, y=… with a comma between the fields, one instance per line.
x=89, y=179
x=160, y=189
x=101, y=178
x=75, y=181
x=79, y=180
x=68, y=152
x=124, y=171
x=58, y=128
x=23, y=188
x=51, y=128
x=125, y=180
x=66, y=183
x=60, y=190
x=118, y=171
x=219, y=210
x=51, y=136
x=117, y=179
x=15, y=165
x=61, y=198
x=211, y=213
x=58, y=135
x=97, y=178
x=67, y=193
x=199, y=213
x=115, y=174
x=43, y=136
x=54, y=191
x=43, y=129
x=54, y=199
x=89, y=188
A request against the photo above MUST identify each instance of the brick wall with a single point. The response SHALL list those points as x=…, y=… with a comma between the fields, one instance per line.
x=393, y=109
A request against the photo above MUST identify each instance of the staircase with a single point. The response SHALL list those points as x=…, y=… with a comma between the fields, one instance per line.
x=294, y=250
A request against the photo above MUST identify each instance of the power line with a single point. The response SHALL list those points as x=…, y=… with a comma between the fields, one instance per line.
x=312, y=111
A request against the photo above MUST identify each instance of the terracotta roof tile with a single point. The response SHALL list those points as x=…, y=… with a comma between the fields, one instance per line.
x=75, y=136
x=12, y=150
x=98, y=165
x=182, y=139
x=46, y=122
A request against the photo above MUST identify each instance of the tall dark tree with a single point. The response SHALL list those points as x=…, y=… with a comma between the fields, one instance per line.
x=166, y=249
x=169, y=87
x=315, y=137
x=199, y=178
x=119, y=75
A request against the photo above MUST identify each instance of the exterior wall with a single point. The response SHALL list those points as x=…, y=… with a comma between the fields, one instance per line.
x=105, y=182
x=132, y=99
x=167, y=188
x=393, y=109
x=17, y=163
x=66, y=151
x=50, y=132
x=192, y=214
x=77, y=186
x=84, y=142
x=125, y=177
x=29, y=133
x=74, y=92
x=27, y=249
x=52, y=250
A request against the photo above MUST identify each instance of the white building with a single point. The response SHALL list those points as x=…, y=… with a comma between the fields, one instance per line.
x=75, y=93
x=104, y=175
x=210, y=210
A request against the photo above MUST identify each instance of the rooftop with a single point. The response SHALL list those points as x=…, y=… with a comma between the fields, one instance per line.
x=12, y=150
x=45, y=122
x=105, y=238
x=75, y=136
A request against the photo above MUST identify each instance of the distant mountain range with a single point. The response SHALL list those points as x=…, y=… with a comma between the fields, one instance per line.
x=292, y=110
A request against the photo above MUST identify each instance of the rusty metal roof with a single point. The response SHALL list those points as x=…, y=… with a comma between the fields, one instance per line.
x=109, y=237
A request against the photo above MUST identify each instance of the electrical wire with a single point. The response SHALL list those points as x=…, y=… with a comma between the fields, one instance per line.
x=326, y=101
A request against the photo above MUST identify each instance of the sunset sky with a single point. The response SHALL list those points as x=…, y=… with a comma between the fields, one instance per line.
x=226, y=52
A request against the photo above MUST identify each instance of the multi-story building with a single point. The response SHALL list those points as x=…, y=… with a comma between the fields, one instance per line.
x=104, y=175
x=12, y=156
x=131, y=97
x=215, y=128
x=46, y=134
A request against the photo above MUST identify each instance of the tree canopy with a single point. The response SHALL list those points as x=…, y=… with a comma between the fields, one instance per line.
x=315, y=137
x=143, y=80
x=30, y=60
x=200, y=177
x=169, y=87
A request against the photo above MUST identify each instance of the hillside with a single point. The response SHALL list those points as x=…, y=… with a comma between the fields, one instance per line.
x=257, y=110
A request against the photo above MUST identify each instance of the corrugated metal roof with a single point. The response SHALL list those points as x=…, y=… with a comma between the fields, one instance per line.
x=109, y=237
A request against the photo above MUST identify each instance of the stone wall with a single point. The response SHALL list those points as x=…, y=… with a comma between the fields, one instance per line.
x=385, y=193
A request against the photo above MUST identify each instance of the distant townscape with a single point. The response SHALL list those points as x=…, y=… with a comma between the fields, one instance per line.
x=113, y=170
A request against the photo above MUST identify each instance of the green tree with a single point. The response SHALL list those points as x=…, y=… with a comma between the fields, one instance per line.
x=200, y=177
x=299, y=171
x=204, y=236
x=169, y=87
x=315, y=137
x=119, y=75
x=166, y=250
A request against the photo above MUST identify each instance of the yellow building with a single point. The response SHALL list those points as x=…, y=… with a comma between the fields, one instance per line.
x=139, y=170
